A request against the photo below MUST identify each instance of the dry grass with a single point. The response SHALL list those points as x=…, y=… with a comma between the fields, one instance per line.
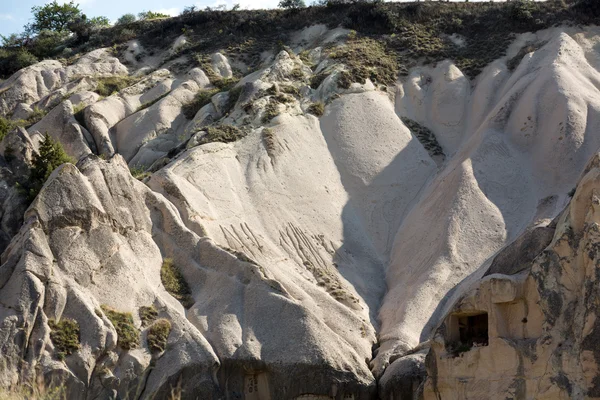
x=175, y=283
x=128, y=335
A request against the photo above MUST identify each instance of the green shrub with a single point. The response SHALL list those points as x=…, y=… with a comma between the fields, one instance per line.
x=47, y=43
x=202, y=98
x=150, y=15
x=128, y=336
x=12, y=60
x=316, y=109
x=65, y=336
x=147, y=314
x=158, y=335
x=126, y=19
x=51, y=156
x=234, y=95
x=113, y=84
x=35, y=117
x=292, y=4
x=223, y=134
x=175, y=284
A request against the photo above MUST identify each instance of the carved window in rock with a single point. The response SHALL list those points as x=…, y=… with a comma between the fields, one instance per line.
x=465, y=331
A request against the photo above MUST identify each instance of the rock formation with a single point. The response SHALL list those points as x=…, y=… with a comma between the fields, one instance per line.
x=330, y=240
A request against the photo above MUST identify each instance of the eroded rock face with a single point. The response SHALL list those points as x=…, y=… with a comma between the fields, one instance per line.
x=322, y=253
x=532, y=334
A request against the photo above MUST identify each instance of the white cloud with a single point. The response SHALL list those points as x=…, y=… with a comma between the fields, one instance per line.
x=6, y=17
x=169, y=11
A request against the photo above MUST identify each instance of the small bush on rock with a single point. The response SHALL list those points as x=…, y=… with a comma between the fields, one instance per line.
x=65, y=337
x=128, y=335
x=148, y=314
x=158, y=335
x=175, y=283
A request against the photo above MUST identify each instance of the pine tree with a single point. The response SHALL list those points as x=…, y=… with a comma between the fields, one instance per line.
x=51, y=156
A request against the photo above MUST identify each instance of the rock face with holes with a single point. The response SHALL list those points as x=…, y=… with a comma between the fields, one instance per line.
x=299, y=237
x=532, y=332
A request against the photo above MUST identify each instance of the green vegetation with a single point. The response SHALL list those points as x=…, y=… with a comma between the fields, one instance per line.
x=150, y=15
x=289, y=89
x=7, y=125
x=271, y=110
x=175, y=283
x=366, y=58
x=297, y=73
x=317, y=109
x=292, y=4
x=147, y=314
x=51, y=156
x=425, y=136
x=128, y=336
x=65, y=337
x=222, y=133
x=139, y=172
x=54, y=16
x=126, y=19
x=78, y=113
x=158, y=334
x=202, y=98
x=113, y=84
x=234, y=95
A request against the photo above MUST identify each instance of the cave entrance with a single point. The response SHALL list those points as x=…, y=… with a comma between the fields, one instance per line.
x=466, y=331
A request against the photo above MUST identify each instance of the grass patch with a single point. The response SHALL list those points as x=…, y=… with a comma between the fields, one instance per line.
x=366, y=58
x=289, y=89
x=65, y=337
x=175, y=284
x=271, y=110
x=297, y=73
x=158, y=334
x=128, y=335
x=317, y=109
x=202, y=98
x=147, y=314
x=114, y=84
x=139, y=172
x=222, y=133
